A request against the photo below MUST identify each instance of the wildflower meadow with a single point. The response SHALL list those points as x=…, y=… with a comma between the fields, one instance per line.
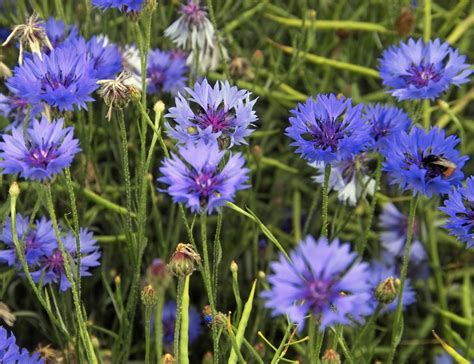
x=236, y=181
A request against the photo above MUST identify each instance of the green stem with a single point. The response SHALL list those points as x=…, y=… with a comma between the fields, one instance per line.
x=397, y=332
x=67, y=259
x=183, y=336
x=427, y=22
x=159, y=326
x=373, y=204
x=177, y=324
x=327, y=176
x=312, y=335
x=426, y=114
x=148, y=310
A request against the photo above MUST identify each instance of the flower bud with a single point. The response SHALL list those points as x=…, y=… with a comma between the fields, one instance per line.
x=234, y=268
x=219, y=319
x=14, y=190
x=159, y=107
x=149, y=296
x=258, y=58
x=405, y=21
x=239, y=67
x=208, y=358
x=261, y=275
x=386, y=291
x=331, y=357
x=183, y=260
x=443, y=105
x=168, y=359
x=158, y=275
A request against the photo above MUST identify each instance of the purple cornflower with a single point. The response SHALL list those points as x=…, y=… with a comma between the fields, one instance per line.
x=222, y=113
x=10, y=353
x=169, y=319
x=14, y=108
x=379, y=272
x=165, y=72
x=104, y=57
x=328, y=129
x=122, y=5
x=393, y=227
x=349, y=177
x=385, y=122
x=62, y=79
x=199, y=178
x=460, y=209
x=193, y=29
x=36, y=242
x=424, y=162
x=51, y=265
x=321, y=280
x=45, y=149
x=414, y=70
x=58, y=32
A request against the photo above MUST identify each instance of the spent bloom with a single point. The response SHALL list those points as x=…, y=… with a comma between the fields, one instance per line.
x=348, y=177
x=328, y=129
x=51, y=265
x=385, y=122
x=169, y=319
x=44, y=150
x=198, y=177
x=165, y=72
x=425, y=162
x=31, y=34
x=460, y=210
x=321, y=280
x=393, y=227
x=122, y=5
x=37, y=241
x=415, y=70
x=221, y=113
x=10, y=353
x=62, y=79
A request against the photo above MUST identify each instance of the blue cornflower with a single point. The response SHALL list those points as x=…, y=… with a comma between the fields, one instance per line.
x=380, y=272
x=37, y=241
x=414, y=70
x=169, y=319
x=165, y=72
x=321, y=280
x=45, y=149
x=122, y=5
x=14, y=108
x=58, y=32
x=200, y=179
x=10, y=353
x=393, y=227
x=62, y=79
x=460, y=209
x=328, y=129
x=51, y=265
x=223, y=113
x=104, y=57
x=385, y=122
x=424, y=162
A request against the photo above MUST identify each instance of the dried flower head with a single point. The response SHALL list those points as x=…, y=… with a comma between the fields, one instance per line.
x=118, y=92
x=6, y=315
x=5, y=71
x=183, y=260
x=32, y=34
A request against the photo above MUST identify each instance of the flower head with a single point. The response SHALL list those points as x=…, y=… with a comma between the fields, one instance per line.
x=321, y=280
x=414, y=70
x=10, y=353
x=14, y=108
x=379, y=273
x=31, y=34
x=222, y=113
x=393, y=227
x=424, y=162
x=43, y=151
x=385, y=122
x=165, y=73
x=51, y=265
x=62, y=79
x=460, y=210
x=122, y=5
x=348, y=177
x=36, y=241
x=328, y=129
x=58, y=32
x=198, y=179
x=169, y=319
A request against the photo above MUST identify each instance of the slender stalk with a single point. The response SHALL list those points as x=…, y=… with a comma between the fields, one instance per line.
x=217, y=250
x=398, y=322
x=427, y=21
x=148, y=310
x=177, y=324
x=159, y=325
x=373, y=204
x=327, y=176
x=184, y=331
x=313, y=333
